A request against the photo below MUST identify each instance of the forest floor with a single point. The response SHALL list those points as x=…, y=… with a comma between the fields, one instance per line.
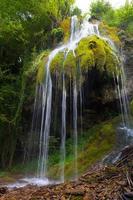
x=99, y=183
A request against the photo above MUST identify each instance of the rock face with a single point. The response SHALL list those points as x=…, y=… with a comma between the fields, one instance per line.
x=128, y=62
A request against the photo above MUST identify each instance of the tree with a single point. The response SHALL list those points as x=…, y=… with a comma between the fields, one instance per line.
x=99, y=8
x=76, y=11
x=124, y=16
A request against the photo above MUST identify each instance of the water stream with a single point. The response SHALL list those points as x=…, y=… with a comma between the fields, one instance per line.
x=77, y=33
x=75, y=131
x=63, y=131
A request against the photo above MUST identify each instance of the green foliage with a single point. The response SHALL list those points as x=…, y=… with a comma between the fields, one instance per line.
x=124, y=17
x=58, y=34
x=110, y=32
x=99, y=8
x=121, y=17
x=65, y=25
x=76, y=11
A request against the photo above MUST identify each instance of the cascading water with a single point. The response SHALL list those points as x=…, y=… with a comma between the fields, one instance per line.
x=121, y=91
x=75, y=115
x=124, y=103
x=46, y=100
x=77, y=33
x=63, y=130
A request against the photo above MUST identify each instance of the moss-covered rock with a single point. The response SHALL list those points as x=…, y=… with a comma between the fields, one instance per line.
x=95, y=51
x=70, y=64
x=40, y=65
x=98, y=142
x=85, y=54
x=57, y=63
x=91, y=51
x=111, y=32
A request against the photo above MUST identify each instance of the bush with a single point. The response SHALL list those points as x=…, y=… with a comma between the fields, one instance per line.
x=99, y=8
x=121, y=17
x=58, y=34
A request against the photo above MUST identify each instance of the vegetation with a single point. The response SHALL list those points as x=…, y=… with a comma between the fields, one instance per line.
x=100, y=8
x=91, y=52
x=121, y=17
x=95, y=52
x=26, y=28
x=93, y=146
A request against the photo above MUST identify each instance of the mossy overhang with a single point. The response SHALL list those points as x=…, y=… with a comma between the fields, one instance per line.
x=91, y=52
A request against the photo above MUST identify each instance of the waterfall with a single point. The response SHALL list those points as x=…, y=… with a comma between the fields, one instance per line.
x=63, y=130
x=45, y=102
x=121, y=90
x=77, y=33
x=125, y=99
x=124, y=103
x=45, y=126
x=75, y=131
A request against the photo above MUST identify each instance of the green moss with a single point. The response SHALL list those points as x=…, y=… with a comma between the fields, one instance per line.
x=97, y=142
x=110, y=32
x=40, y=64
x=57, y=63
x=94, y=51
x=98, y=145
x=65, y=25
x=37, y=66
x=91, y=52
x=70, y=64
x=85, y=54
x=6, y=177
x=111, y=61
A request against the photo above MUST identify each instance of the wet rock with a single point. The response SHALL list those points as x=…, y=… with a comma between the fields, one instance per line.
x=3, y=190
x=127, y=50
x=121, y=33
x=129, y=42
